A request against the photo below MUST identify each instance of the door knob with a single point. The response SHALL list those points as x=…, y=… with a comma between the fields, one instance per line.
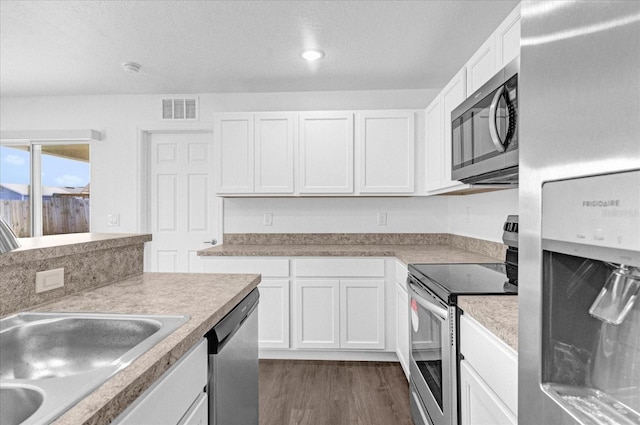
x=213, y=241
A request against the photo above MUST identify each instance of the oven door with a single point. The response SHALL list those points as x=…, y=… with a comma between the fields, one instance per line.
x=432, y=351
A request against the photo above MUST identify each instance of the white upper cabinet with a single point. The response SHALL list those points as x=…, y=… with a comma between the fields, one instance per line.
x=507, y=39
x=326, y=152
x=453, y=95
x=254, y=152
x=315, y=153
x=435, y=144
x=481, y=67
x=497, y=51
x=386, y=144
x=274, y=144
x=233, y=150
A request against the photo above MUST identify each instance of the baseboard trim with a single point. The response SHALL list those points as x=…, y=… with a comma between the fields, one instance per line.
x=328, y=355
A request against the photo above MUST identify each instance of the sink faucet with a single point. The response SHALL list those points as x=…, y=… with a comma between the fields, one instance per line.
x=8, y=239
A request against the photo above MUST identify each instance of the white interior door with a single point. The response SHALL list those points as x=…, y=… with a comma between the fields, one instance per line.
x=183, y=210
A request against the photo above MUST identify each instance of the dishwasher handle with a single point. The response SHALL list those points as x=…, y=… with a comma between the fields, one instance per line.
x=224, y=330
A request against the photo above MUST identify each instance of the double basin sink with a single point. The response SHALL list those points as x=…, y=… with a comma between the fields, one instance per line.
x=50, y=361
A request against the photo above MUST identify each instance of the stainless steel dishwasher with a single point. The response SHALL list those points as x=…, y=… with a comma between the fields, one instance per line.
x=233, y=365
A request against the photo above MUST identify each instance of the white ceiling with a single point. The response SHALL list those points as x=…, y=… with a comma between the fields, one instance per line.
x=77, y=47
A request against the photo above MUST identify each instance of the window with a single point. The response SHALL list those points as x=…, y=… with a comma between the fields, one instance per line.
x=45, y=187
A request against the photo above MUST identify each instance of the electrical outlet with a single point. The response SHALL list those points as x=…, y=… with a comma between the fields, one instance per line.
x=267, y=220
x=49, y=279
x=113, y=220
x=382, y=219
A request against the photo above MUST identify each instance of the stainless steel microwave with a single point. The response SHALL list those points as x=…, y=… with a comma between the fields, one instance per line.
x=484, y=132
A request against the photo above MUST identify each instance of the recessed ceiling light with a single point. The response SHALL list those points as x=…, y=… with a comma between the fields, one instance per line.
x=131, y=67
x=313, y=55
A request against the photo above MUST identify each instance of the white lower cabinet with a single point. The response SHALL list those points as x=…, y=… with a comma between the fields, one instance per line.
x=310, y=305
x=344, y=314
x=479, y=405
x=199, y=412
x=273, y=313
x=177, y=397
x=273, y=308
x=488, y=377
x=339, y=303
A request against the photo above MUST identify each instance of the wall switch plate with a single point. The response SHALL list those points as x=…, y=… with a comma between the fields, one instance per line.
x=113, y=220
x=49, y=279
x=268, y=219
x=382, y=219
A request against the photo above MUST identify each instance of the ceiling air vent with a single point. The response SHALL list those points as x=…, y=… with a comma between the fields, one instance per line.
x=180, y=108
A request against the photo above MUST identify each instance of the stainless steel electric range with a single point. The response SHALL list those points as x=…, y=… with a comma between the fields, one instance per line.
x=434, y=290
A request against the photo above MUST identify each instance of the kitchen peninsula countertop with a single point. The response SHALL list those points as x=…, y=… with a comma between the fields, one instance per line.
x=206, y=298
x=499, y=314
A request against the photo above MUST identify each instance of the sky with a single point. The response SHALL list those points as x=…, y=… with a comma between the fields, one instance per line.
x=56, y=171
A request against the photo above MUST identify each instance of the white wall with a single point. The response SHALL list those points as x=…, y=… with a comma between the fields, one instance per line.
x=115, y=165
x=482, y=215
x=115, y=160
x=336, y=215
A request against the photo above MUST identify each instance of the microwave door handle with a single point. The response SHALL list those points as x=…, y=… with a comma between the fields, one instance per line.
x=437, y=310
x=493, y=115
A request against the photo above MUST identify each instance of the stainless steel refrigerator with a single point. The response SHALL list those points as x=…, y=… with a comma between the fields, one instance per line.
x=579, y=104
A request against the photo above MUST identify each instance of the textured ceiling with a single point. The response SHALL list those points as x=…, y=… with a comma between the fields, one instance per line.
x=77, y=47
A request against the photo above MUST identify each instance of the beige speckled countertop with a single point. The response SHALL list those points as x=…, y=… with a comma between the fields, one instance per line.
x=408, y=254
x=206, y=298
x=499, y=314
x=51, y=246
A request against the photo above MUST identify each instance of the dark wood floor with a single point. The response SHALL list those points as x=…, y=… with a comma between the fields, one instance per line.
x=304, y=392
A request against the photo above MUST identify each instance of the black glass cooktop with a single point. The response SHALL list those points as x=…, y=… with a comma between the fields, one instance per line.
x=448, y=281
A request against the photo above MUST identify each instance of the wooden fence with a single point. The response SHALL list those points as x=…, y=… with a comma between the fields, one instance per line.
x=59, y=215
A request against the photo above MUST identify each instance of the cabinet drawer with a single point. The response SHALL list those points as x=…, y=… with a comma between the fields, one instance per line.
x=198, y=414
x=266, y=267
x=401, y=273
x=492, y=359
x=340, y=267
x=171, y=396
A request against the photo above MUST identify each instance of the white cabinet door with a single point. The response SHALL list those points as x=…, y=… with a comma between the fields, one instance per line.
x=172, y=395
x=435, y=145
x=402, y=327
x=507, y=39
x=273, y=314
x=479, y=405
x=386, y=143
x=326, y=152
x=362, y=314
x=317, y=320
x=233, y=143
x=453, y=95
x=483, y=350
x=481, y=67
x=274, y=143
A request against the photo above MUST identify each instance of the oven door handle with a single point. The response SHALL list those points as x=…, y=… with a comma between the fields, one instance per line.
x=420, y=299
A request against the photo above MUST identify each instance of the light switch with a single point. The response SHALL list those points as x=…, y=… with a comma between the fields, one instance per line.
x=49, y=279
